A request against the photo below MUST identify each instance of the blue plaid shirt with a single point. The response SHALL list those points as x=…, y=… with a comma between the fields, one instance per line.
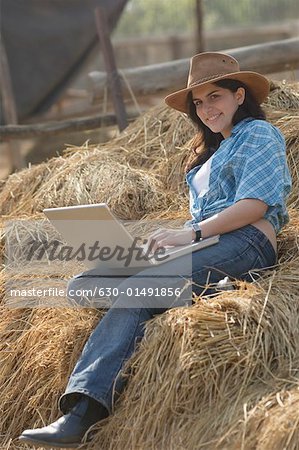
x=251, y=163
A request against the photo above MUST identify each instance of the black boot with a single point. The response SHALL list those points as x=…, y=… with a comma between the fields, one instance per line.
x=68, y=431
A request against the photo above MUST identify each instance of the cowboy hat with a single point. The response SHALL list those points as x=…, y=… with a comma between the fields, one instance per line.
x=209, y=67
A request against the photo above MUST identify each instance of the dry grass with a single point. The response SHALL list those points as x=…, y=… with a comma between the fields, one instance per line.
x=222, y=374
x=38, y=349
x=283, y=96
x=133, y=174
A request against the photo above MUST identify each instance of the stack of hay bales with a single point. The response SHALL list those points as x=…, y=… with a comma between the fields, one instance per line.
x=220, y=374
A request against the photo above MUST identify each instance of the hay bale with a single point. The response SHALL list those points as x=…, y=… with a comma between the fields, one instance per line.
x=140, y=147
x=288, y=123
x=272, y=424
x=17, y=194
x=131, y=193
x=38, y=349
x=283, y=96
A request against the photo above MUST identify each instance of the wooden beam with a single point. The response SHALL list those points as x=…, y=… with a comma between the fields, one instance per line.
x=112, y=74
x=16, y=158
x=200, y=46
x=285, y=29
x=54, y=128
x=265, y=58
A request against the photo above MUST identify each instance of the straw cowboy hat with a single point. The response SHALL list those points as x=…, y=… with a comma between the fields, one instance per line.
x=209, y=67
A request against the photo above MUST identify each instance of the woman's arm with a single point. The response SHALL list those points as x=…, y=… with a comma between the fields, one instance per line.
x=241, y=213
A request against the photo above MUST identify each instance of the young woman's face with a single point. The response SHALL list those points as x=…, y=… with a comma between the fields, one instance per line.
x=216, y=106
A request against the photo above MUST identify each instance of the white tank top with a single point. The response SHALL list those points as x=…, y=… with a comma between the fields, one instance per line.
x=201, y=179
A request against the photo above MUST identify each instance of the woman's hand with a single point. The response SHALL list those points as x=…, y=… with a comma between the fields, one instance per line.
x=169, y=237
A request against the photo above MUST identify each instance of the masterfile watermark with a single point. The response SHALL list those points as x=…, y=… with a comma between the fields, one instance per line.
x=140, y=250
x=38, y=292
x=90, y=264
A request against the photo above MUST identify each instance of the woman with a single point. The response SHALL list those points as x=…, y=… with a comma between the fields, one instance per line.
x=239, y=180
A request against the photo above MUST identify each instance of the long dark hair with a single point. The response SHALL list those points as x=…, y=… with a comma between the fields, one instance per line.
x=205, y=143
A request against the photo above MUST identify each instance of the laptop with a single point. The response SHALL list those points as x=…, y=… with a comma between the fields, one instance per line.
x=95, y=233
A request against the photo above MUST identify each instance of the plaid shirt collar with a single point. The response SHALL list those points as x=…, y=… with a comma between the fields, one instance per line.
x=236, y=128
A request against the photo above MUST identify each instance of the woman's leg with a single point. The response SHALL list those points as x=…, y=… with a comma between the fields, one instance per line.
x=97, y=373
x=88, y=397
x=113, y=341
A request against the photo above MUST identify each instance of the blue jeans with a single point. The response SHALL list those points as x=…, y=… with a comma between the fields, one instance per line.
x=98, y=370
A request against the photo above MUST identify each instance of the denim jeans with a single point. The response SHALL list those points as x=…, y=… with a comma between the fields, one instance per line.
x=98, y=370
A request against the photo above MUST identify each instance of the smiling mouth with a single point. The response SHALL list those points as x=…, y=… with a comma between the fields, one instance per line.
x=213, y=118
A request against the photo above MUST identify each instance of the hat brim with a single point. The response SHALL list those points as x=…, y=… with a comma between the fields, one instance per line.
x=257, y=83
